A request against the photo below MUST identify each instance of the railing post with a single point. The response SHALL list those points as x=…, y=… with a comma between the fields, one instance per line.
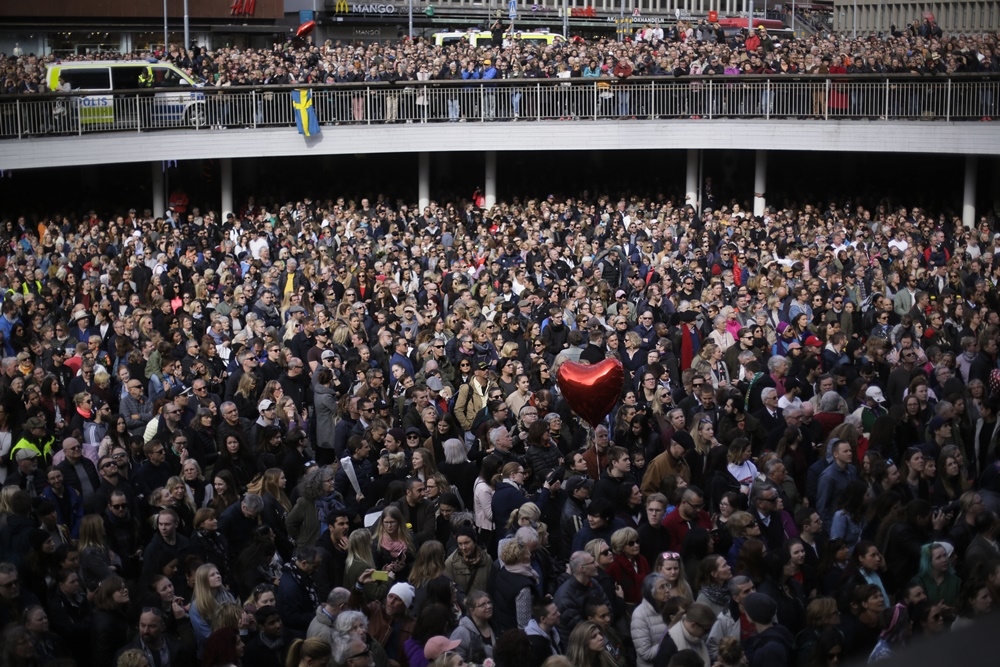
x=947, y=106
x=253, y=109
x=138, y=114
x=767, y=107
x=368, y=105
x=597, y=99
x=482, y=103
x=826, y=102
x=885, y=109
x=711, y=98
x=17, y=105
x=538, y=101
x=652, y=99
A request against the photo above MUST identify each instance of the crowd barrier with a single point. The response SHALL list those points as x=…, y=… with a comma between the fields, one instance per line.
x=956, y=98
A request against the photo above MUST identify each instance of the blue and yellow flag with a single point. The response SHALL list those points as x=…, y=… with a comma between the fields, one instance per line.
x=305, y=114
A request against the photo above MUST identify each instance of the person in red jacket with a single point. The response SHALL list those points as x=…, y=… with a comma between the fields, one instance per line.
x=687, y=515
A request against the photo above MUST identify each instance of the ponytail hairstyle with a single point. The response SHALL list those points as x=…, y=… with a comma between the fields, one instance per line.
x=313, y=648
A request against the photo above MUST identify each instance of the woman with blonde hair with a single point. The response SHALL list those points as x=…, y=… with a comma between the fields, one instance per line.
x=208, y=595
x=527, y=514
x=392, y=543
x=516, y=584
x=709, y=363
x=176, y=497
x=245, y=397
x=5, y=495
x=670, y=565
x=312, y=652
x=629, y=567
x=703, y=435
x=359, y=559
x=97, y=561
x=272, y=490
x=199, y=492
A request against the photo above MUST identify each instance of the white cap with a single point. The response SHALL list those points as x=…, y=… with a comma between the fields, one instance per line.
x=876, y=394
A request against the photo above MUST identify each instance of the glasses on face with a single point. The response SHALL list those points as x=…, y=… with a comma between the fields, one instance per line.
x=109, y=464
x=632, y=543
x=119, y=506
x=363, y=654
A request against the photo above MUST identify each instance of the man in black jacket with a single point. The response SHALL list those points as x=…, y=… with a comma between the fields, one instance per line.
x=269, y=646
x=417, y=511
x=166, y=545
x=153, y=641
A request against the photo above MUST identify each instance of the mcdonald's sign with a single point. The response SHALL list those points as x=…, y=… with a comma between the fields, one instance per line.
x=340, y=7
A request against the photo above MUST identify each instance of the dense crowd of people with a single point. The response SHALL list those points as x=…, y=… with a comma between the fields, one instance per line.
x=679, y=49
x=330, y=432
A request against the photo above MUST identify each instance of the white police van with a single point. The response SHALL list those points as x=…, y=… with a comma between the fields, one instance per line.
x=178, y=101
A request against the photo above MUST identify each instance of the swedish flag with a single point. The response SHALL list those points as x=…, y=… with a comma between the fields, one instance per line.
x=305, y=114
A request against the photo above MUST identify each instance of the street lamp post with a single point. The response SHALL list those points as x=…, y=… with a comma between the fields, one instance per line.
x=187, y=29
x=164, y=27
x=411, y=20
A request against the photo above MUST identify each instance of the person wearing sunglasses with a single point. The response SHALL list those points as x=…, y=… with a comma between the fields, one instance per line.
x=629, y=566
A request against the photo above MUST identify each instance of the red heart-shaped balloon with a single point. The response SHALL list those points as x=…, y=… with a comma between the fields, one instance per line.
x=592, y=391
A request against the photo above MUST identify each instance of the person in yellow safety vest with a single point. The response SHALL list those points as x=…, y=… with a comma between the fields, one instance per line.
x=146, y=78
x=37, y=439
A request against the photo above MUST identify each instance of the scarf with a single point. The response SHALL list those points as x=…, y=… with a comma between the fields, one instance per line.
x=756, y=377
x=306, y=585
x=395, y=547
x=717, y=595
x=693, y=642
x=223, y=596
x=523, y=569
x=272, y=644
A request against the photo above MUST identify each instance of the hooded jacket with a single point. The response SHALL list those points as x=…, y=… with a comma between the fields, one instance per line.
x=774, y=647
x=472, y=649
x=543, y=644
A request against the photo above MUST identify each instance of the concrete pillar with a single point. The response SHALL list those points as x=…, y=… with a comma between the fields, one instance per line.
x=969, y=194
x=423, y=180
x=226, y=178
x=490, y=186
x=760, y=183
x=691, y=180
x=159, y=196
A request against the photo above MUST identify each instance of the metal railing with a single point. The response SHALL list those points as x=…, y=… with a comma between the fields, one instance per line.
x=884, y=98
